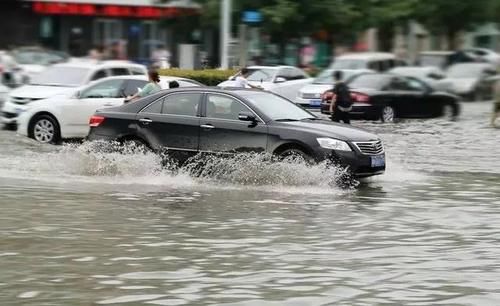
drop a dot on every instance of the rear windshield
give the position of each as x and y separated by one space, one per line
375 81
61 76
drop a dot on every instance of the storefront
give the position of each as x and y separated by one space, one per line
76 26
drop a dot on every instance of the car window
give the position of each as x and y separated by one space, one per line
223 107
133 86
294 74
415 85
137 71
182 104
398 84
154 108
99 75
106 89
119 71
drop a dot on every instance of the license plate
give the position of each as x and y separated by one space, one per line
315 102
378 161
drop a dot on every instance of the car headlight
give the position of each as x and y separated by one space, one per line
333 144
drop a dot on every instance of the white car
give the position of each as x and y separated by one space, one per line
60 79
4 92
283 80
310 95
377 61
472 81
430 75
66 116
484 55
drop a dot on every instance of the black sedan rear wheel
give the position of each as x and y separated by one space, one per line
388 114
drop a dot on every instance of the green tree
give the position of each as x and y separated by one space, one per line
451 17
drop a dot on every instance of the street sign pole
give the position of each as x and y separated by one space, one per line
225 33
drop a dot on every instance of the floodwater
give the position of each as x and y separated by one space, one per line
83 227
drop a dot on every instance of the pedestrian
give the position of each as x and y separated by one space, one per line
341 103
150 88
496 104
241 79
96 53
173 84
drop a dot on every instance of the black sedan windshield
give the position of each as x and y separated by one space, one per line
375 81
276 107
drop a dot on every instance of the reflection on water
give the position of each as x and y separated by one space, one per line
85 228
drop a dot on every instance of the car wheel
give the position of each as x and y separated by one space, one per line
45 129
296 155
388 114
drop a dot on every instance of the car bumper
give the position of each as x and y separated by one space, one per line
359 111
10 112
360 165
308 103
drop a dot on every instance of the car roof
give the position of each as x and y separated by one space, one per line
367 56
485 65
436 52
91 64
414 68
271 67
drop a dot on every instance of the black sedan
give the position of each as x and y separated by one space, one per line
388 97
189 121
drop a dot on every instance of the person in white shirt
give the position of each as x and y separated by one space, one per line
241 79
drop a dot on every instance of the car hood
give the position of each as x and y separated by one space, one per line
461 84
316 88
324 128
36 92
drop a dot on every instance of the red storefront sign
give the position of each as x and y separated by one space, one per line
149 12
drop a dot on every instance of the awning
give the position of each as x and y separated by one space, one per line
151 3
144 9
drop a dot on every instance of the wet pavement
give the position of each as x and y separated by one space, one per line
80 227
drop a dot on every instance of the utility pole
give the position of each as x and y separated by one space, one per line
225 33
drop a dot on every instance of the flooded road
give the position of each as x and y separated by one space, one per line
80 227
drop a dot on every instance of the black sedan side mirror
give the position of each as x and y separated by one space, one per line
247 117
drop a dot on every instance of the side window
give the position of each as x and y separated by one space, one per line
374 65
106 89
182 104
137 71
398 84
133 87
222 107
119 71
154 108
99 75
283 73
295 74
415 85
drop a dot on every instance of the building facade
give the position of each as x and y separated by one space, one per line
76 26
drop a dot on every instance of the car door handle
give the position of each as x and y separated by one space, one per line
207 126
145 121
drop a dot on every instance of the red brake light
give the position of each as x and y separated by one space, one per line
95 121
360 98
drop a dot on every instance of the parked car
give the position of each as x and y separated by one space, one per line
376 61
432 76
444 59
186 122
11 73
484 55
60 79
4 92
283 80
310 95
389 96
67 115
33 60
471 81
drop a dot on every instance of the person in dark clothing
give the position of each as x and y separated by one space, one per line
341 103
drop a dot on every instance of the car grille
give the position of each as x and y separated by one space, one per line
311 96
370 147
21 101
9 115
